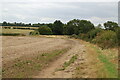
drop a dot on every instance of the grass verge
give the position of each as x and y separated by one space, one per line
101 63
109 69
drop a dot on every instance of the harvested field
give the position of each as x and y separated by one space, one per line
14 47
55 57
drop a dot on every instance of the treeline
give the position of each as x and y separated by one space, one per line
72 27
21 24
106 37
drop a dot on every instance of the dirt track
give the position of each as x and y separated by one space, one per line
15 47
51 71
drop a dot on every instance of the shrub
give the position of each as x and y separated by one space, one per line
44 30
93 33
117 30
83 36
106 39
34 33
74 36
90 35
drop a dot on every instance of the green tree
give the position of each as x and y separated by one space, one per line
85 26
44 30
58 27
109 25
77 26
65 29
4 23
50 25
73 27
99 26
93 33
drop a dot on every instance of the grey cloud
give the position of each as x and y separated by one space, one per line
65 11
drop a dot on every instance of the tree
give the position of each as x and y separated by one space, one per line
65 29
99 26
58 27
29 24
85 26
44 30
50 25
109 25
93 33
77 26
73 27
4 23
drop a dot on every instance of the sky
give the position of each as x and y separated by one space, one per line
47 11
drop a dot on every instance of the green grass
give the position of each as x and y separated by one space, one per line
25 68
109 69
66 64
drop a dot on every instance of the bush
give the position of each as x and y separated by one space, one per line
44 30
117 30
106 39
90 35
83 36
34 33
74 36
93 33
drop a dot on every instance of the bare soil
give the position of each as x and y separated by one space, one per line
83 61
15 47
85 66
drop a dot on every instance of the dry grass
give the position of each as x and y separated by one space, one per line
20 31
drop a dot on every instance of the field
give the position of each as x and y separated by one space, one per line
14 31
38 57
56 57
60 39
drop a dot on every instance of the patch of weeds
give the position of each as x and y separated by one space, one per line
21 63
60 69
72 60
50 56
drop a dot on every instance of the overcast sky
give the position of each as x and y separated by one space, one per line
47 11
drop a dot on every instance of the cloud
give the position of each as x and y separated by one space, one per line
60 0
46 19
98 20
47 12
